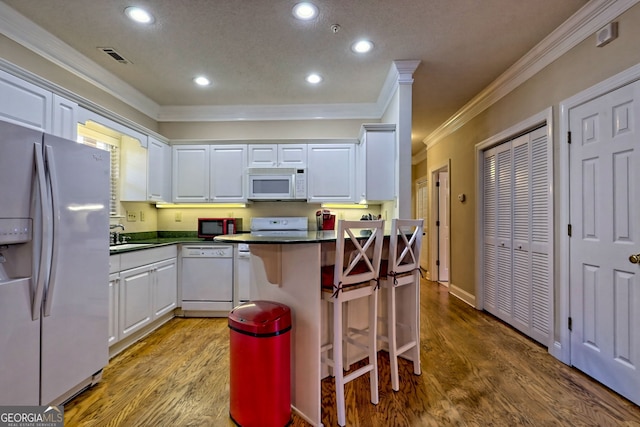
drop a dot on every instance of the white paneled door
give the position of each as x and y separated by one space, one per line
604 215
443 227
422 211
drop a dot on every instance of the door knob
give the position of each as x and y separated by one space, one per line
634 259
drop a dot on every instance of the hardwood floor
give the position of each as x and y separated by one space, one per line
476 371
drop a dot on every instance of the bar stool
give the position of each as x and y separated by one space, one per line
403 269
348 281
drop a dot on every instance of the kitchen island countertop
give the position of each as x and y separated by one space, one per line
309 237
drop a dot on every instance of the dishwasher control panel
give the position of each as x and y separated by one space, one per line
208 251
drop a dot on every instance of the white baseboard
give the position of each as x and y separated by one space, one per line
462 295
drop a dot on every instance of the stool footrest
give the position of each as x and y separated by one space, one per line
406 347
357 373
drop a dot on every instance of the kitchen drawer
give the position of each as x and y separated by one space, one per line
147 256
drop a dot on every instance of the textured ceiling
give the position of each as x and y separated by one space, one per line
256 53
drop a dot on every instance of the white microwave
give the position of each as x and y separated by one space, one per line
277 184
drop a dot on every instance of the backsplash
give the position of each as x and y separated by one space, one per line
150 219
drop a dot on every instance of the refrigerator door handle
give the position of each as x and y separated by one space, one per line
55 198
42 187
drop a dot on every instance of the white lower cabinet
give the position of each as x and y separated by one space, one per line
114 278
135 299
143 291
165 290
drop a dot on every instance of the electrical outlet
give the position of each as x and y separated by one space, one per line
178 216
131 216
141 216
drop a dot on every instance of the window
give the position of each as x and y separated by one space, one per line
103 138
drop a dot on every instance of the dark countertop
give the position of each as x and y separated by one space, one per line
310 237
153 243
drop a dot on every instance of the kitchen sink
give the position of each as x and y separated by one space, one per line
128 246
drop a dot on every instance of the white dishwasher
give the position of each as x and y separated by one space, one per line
207 279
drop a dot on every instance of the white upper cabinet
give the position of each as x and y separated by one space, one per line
209 173
277 155
159 171
263 155
133 170
292 155
376 163
331 173
65 118
190 183
227 173
26 104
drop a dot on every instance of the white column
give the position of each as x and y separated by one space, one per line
405 71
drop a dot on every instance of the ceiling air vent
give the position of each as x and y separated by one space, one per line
115 55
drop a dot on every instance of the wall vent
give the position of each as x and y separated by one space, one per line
115 55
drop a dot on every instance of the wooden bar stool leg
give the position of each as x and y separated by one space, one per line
338 368
373 348
415 325
393 337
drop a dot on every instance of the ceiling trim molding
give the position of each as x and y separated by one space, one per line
419 157
26 33
584 23
405 70
224 113
400 72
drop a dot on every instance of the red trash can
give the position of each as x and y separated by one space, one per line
260 372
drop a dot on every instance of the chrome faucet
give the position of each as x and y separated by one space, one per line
114 236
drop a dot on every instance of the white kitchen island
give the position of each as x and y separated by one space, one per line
287 270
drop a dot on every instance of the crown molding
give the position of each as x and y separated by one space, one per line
214 113
26 33
419 157
584 23
405 70
400 72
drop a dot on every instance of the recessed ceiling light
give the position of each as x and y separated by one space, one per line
362 46
305 11
314 78
139 15
202 81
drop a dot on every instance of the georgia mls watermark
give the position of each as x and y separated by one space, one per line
32 416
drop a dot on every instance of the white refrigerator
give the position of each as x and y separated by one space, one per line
54 266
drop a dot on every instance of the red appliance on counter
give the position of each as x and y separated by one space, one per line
208 228
325 220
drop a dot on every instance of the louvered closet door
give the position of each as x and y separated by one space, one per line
490 257
521 235
541 237
504 231
517 227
